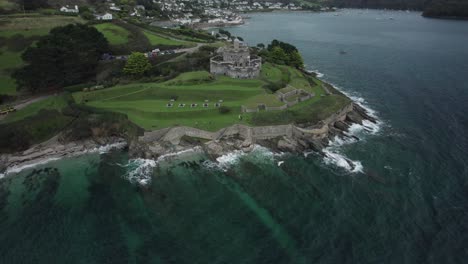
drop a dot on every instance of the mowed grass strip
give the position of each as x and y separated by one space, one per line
157 40
116 35
211 120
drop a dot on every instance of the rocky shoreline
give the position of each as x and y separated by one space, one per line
55 149
155 144
278 138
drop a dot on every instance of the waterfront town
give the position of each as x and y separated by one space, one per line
199 13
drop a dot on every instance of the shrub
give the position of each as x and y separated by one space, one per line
224 110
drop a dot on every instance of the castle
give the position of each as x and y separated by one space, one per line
235 61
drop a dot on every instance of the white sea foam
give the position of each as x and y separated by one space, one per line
19 168
341 161
106 148
258 155
317 73
224 162
140 170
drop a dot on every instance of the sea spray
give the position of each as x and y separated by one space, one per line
258 155
106 148
317 73
332 153
140 171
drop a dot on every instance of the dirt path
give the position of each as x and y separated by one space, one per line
23 103
189 50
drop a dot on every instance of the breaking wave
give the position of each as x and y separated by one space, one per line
317 73
333 154
258 155
106 148
140 171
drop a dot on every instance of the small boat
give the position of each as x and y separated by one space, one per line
342 52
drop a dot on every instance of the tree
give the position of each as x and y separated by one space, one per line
32 4
279 56
66 56
87 15
225 32
137 64
260 45
295 60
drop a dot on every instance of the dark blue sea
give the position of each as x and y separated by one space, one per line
406 201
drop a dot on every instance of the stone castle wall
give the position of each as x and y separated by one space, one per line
236 63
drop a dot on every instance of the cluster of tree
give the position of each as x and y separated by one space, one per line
281 53
32 4
68 55
446 8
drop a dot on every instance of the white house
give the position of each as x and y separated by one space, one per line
66 9
106 16
113 7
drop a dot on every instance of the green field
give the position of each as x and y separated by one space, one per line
146 104
7 5
157 40
116 35
271 73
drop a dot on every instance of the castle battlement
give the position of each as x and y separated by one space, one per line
235 61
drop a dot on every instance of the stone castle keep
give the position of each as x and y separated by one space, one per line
235 61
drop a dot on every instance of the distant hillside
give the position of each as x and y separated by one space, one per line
430 8
380 4
447 8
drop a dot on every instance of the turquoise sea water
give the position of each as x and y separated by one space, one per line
408 203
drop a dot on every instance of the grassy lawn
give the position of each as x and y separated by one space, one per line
7 4
52 103
115 34
266 99
271 73
10 60
33 25
157 40
146 103
7 85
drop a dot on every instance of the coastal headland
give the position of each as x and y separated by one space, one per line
176 103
